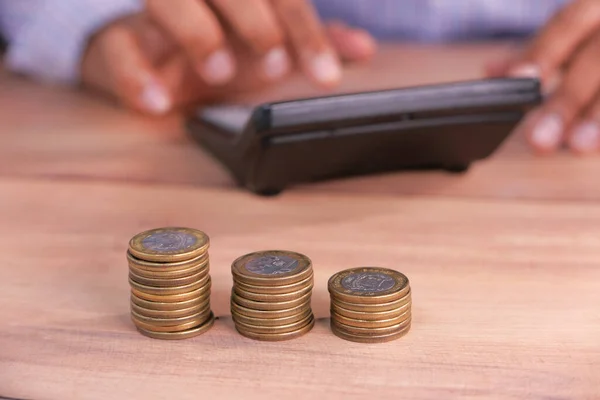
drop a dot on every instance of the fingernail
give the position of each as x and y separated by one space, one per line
547 132
155 98
586 137
525 71
326 68
276 63
218 68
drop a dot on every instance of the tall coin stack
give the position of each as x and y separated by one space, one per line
370 305
170 283
271 295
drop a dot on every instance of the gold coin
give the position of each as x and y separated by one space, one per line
275 298
271 268
277 337
370 339
169 244
268 306
293 287
352 330
369 316
274 329
173 328
270 321
189 333
168 282
368 285
166 322
173 305
360 323
163 291
172 298
167 270
183 312
393 305
249 312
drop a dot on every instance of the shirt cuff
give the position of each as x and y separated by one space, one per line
50 46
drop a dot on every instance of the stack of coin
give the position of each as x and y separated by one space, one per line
271 295
370 305
170 283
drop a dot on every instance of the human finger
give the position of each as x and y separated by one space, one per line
196 29
584 138
257 27
579 86
307 36
351 44
131 77
156 44
188 88
584 135
558 40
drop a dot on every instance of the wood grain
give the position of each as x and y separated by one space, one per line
505 296
503 261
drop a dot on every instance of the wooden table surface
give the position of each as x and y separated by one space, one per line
503 261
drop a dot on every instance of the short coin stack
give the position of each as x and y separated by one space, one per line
271 295
170 283
370 305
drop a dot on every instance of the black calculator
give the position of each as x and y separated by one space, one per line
272 146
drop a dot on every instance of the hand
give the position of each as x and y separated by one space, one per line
171 55
565 55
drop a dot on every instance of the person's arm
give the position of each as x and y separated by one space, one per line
154 55
46 38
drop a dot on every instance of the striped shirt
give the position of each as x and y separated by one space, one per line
46 38
441 20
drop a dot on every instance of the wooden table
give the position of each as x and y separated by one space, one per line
503 261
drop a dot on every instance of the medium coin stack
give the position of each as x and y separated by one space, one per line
370 305
170 283
271 295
